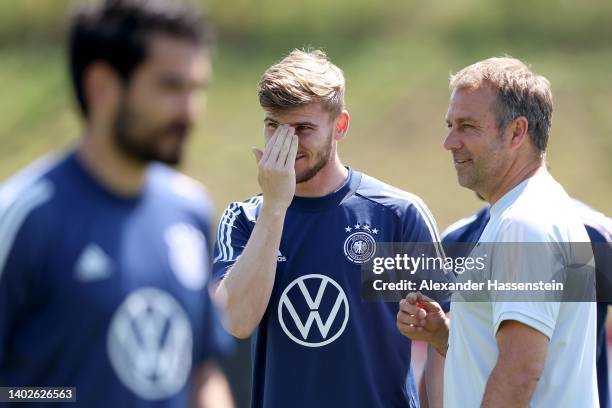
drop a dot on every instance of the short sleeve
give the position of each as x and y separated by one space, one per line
14 267
541 316
523 254
233 233
421 236
601 242
20 256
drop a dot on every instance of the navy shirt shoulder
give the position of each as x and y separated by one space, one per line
103 292
316 318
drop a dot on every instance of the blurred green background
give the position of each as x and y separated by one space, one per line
396 56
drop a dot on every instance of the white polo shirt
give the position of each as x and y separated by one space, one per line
536 210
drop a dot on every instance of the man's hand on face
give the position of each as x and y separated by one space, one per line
421 318
276 168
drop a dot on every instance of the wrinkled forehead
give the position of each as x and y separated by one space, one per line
476 103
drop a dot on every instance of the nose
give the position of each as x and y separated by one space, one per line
188 106
452 141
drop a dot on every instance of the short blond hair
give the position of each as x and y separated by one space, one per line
520 92
302 78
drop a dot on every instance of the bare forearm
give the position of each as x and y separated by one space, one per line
441 344
508 389
423 397
210 388
520 364
433 378
245 291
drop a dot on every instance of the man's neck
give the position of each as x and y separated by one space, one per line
326 181
110 167
515 176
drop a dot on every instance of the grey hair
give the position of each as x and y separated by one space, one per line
520 92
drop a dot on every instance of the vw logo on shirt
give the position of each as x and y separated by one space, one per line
150 344
327 310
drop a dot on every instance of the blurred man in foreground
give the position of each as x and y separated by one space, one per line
289 259
510 353
104 261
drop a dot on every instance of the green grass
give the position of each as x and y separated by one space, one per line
396 58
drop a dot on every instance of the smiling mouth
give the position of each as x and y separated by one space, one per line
299 156
462 163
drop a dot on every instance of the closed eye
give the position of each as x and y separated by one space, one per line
302 128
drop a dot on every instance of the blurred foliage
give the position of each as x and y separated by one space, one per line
396 56
566 23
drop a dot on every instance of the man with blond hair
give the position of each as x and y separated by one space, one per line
512 351
289 259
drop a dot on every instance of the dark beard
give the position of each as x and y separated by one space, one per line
143 147
322 162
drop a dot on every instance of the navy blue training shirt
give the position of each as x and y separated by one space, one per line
104 293
599 228
318 344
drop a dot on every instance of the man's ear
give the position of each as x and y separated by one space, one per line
519 132
342 125
101 89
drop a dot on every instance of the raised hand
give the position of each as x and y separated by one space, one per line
276 171
421 318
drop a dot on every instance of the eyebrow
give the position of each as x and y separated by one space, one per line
310 124
175 80
463 120
268 119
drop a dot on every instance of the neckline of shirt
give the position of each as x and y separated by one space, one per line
92 181
511 196
315 204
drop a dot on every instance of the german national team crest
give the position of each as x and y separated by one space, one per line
360 245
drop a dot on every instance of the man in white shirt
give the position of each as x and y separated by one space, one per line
505 352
